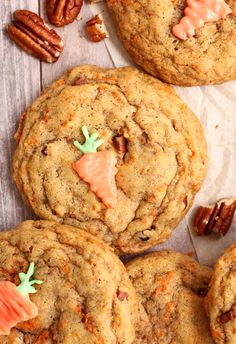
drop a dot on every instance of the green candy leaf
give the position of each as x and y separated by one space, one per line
25 287
91 142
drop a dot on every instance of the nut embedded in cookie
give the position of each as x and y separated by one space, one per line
227 316
32 35
120 145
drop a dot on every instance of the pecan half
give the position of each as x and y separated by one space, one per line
120 145
30 33
215 218
96 29
63 12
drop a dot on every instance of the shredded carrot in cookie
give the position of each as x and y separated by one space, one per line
163 281
30 325
117 96
78 310
64 323
32 141
42 337
169 307
110 78
88 323
159 333
215 333
64 267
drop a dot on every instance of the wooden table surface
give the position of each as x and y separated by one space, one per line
22 79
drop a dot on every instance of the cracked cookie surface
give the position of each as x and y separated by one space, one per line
86 296
145 28
221 299
162 165
172 287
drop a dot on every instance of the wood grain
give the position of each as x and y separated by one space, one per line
20 84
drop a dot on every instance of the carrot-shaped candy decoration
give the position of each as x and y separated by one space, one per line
15 305
97 168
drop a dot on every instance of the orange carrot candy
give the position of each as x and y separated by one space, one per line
15 305
97 168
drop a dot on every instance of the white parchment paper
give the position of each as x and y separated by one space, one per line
215 106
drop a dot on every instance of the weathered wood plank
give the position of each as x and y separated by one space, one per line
78 50
20 83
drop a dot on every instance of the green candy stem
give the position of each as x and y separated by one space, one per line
91 142
25 287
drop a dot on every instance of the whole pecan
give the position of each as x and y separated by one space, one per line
63 12
30 33
215 218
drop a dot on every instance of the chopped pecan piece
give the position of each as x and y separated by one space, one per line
120 145
63 12
30 33
96 29
215 218
81 80
227 316
122 295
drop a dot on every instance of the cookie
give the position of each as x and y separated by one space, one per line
86 295
172 287
146 30
221 299
111 151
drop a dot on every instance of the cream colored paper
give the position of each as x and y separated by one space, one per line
215 106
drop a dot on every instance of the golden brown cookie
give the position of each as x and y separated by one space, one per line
221 299
153 150
86 296
145 28
172 287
